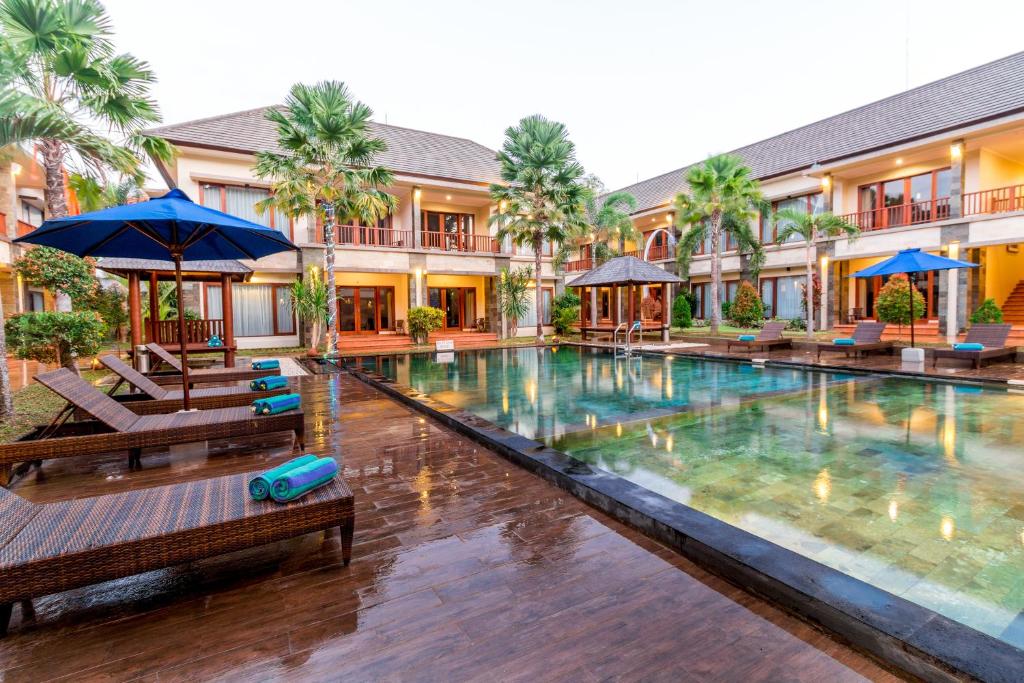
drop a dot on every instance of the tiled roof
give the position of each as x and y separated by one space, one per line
623 270
409 151
979 94
115 264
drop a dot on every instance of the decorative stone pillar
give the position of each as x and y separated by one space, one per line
826 192
956 179
417 217
593 306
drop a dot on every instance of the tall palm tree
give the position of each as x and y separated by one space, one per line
93 195
67 91
811 228
326 169
723 199
612 219
543 198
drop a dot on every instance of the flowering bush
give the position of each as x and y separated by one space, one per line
57 271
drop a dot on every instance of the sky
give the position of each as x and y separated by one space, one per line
644 86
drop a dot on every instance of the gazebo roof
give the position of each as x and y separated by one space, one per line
191 270
624 270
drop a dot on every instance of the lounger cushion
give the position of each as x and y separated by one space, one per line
844 341
747 337
968 346
197 418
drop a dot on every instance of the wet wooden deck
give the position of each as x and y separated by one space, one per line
465 567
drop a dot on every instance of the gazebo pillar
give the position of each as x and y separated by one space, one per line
135 308
229 320
154 308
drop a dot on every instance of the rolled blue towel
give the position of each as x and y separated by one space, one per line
272 405
301 480
259 487
268 383
844 341
271 364
748 337
968 346
214 342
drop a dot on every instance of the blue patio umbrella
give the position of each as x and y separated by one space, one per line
169 226
911 262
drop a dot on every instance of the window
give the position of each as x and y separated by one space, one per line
808 203
259 310
783 296
527 250
449 231
548 296
904 201
27 213
241 201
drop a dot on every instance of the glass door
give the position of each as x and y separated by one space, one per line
367 309
347 310
452 309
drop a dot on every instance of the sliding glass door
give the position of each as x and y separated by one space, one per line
366 310
457 303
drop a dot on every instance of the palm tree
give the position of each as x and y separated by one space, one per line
326 168
811 227
723 199
70 94
543 199
612 219
93 195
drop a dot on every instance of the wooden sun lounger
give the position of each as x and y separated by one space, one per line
770 337
199 376
155 399
50 548
867 337
115 428
993 336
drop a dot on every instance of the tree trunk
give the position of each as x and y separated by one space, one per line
622 245
55 196
716 272
6 397
539 299
810 291
332 292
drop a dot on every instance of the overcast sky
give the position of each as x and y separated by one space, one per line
644 86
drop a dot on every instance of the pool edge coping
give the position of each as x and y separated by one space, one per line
912 638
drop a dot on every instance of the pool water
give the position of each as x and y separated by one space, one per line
915 487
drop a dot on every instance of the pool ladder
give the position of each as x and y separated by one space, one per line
627 335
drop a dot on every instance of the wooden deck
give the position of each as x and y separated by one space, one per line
465 567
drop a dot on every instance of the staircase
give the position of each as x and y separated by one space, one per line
395 343
1013 307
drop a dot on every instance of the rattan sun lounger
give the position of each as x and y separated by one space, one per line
115 428
992 336
770 337
155 399
199 376
55 547
867 337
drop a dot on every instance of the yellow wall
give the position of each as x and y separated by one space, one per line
398 281
475 281
1003 271
995 170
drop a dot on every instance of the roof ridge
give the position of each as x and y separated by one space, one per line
206 119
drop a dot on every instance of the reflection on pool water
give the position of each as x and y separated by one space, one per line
915 487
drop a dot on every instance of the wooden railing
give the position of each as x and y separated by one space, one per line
196 331
656 253
999 200
901 214
25 228
457 241
579 265
357 235
659 252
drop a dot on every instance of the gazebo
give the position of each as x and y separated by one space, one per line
601 292
165 332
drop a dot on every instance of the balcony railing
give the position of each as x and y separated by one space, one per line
356 235
901 214
659 252
999 200
25 228
656 253
387 238
196 331
579 265
457 241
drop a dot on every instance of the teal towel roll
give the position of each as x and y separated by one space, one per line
301 480
748 337
844 341
968 346
272 405
259 487
268 383
272 364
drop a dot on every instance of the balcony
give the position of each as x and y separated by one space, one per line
983 202
388 238
657 252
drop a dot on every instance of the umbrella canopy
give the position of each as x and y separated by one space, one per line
911 262
169 226
624 270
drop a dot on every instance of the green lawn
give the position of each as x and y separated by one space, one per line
36 405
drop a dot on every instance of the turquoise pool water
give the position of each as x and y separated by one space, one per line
915 487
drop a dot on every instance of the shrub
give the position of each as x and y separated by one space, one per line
682 310
795 324
565 312
55 337
726 310
747 309
988 312
893 301
57 271
423 320
109 304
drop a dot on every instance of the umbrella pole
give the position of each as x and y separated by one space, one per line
186 403
912 279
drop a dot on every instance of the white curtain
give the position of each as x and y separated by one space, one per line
214 307
253 310
241 202
789 294
285 319
530 319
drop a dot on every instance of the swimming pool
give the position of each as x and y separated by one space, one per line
915 487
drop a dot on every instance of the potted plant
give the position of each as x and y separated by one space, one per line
422 321
309 299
